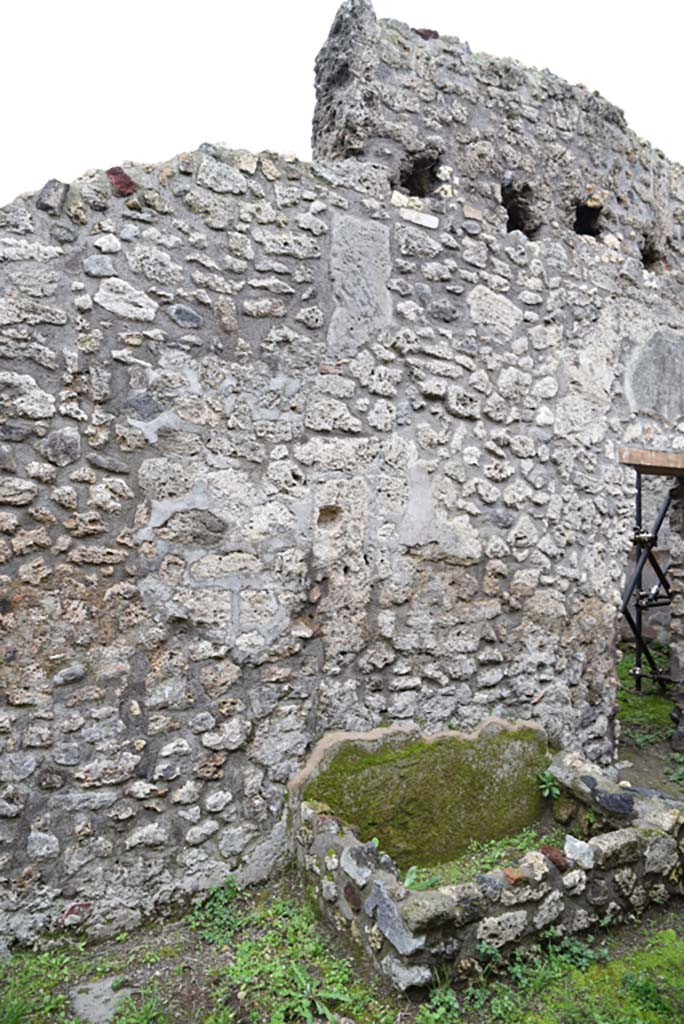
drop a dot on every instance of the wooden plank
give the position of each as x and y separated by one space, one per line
653 463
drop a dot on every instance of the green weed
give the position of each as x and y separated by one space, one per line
441 1008
481 856
30 986
648 713
675 772
283 970
217 917
646 987
147 1009
548 786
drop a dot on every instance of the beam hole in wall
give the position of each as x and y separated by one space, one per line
588 219
328 515
652 255
518 199
419 177
340 75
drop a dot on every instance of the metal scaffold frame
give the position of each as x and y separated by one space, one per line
641 600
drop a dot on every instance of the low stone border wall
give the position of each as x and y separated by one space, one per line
636 858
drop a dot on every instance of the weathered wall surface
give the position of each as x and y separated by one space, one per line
286 449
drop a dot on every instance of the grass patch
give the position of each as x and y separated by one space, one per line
147 1008
263 959
282 969
31 987
483 855
569 981
645 716
646 987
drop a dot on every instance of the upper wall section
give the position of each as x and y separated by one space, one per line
560 158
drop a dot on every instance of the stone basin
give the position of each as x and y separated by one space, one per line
623 848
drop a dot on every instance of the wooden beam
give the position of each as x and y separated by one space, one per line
653 463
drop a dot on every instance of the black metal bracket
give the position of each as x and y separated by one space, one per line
636 600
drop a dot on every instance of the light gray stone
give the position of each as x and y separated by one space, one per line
406 976
380 906
357 862
96 1002
497 931
15 491
360 268
123 300
579 852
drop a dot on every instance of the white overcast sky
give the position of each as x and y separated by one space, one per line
91 83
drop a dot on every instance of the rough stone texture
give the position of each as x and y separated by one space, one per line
346 455
416 937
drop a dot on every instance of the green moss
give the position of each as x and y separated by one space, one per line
427 801
646 987
648 713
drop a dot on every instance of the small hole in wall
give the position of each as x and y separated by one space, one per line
518 200
587 219
328 515
419 178
340 75
651 254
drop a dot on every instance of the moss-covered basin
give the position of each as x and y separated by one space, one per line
425 798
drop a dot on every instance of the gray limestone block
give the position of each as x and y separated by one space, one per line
623 846
380 905
360 267
579 852
98 266
62 447
52 197
497 931
654 377
424 911
662 855
185 316
15 491
123 300
358 862
406 976
71 674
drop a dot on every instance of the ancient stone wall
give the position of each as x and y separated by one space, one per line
290 447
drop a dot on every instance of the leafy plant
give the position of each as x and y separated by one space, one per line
14 1007
548 786
647 735
419 881
312 995
282 970
217 918
148 1011
675 772
31 986
441 1008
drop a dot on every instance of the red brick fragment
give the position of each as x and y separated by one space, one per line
556 857
516 876
75 914
353 897
122 184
